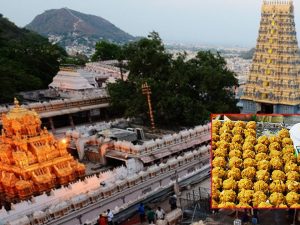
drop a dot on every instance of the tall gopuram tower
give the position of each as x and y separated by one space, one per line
32 161
273 84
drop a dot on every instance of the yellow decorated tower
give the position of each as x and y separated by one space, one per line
31 159
273 84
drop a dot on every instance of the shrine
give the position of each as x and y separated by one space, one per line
273 84
32 161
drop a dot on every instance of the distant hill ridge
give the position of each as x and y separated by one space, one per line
71 28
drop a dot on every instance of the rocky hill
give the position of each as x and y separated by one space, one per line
249 54
76 31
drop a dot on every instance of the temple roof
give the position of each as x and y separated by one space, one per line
70 80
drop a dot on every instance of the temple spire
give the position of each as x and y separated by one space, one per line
277 2
274 78
17 103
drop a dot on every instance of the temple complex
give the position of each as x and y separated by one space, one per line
75 95
107 70
273 85
89 79
32 161
150 168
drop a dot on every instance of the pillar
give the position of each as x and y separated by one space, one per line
71 121
106 117
52 124
89 115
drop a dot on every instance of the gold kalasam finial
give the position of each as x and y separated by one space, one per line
16 102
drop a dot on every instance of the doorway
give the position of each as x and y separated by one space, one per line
267 108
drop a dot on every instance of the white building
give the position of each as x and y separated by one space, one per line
73 83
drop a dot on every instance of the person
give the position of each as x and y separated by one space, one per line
102 219
141 211
110 217
254 220
255 216
151 216
291 215
160 213
245 217
173 202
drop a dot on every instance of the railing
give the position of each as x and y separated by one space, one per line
195 205
100 199
65 104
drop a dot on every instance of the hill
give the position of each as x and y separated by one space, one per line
249 54
75 30
28 61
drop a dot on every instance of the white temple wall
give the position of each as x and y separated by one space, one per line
166 181
182 173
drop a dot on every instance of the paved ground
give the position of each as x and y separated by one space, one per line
225 217
267 217
164 205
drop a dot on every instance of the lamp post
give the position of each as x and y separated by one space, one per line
146 90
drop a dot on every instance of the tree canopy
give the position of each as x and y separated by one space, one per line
184 92
28 61
105 50
78 59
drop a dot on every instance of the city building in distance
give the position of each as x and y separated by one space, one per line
273 82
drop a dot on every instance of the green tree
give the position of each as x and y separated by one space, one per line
28 61
106 51
148 59
78 59
110 51
184 92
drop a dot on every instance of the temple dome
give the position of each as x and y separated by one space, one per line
18 112
21 121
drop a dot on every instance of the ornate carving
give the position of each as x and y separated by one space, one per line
274 75
31 159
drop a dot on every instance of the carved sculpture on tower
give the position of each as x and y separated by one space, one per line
273 84
31 159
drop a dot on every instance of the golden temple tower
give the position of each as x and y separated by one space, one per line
273 84
31 159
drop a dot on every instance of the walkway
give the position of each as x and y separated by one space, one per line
267 217
164 204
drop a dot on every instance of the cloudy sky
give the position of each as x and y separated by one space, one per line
215 22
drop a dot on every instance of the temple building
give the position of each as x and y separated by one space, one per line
69 79
32 161
273 84
70 83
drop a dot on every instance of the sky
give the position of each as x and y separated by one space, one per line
228 23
